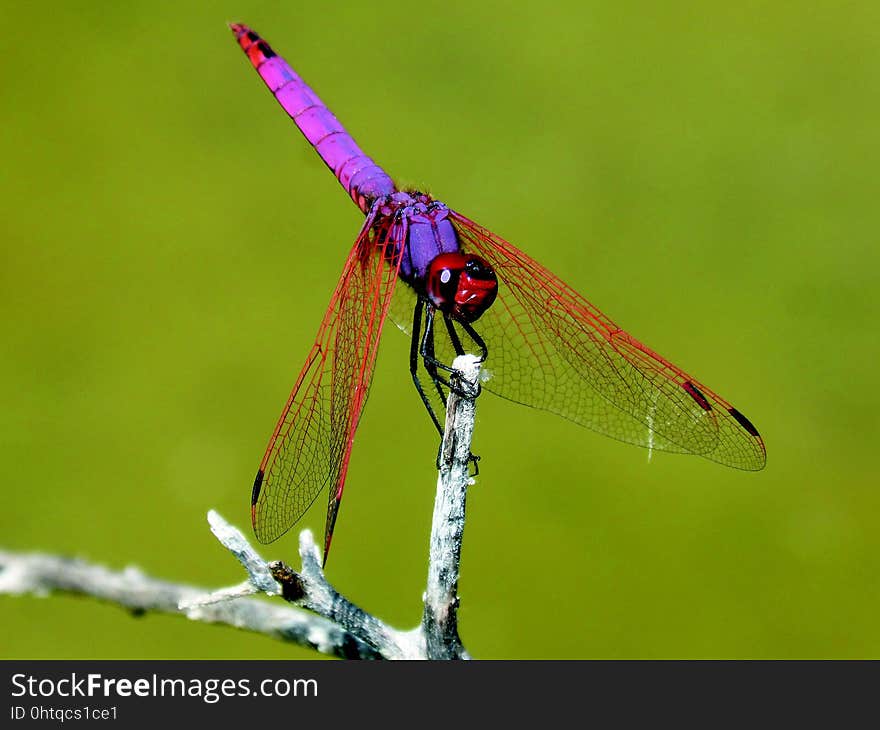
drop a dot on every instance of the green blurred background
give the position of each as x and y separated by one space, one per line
704 173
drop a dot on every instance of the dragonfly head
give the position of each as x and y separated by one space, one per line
461 284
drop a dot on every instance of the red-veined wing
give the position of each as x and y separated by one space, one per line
549 348
311 444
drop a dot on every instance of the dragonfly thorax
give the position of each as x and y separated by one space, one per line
432 262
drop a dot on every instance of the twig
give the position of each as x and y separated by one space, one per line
41 575
260 578
440 620
310 589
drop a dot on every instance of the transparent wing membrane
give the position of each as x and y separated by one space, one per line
311 444
549 348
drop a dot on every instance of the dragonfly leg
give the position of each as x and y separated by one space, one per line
426 350
478 341
453 335
433 365
414 366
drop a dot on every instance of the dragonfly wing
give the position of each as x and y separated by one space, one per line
311 444
551 349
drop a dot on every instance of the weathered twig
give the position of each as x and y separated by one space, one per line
42 575
440 620
339 627
310 590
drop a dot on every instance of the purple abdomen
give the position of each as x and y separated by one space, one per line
362 178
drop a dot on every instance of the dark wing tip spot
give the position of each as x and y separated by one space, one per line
253 37
744 422
694 392
258 484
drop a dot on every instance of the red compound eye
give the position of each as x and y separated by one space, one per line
463 285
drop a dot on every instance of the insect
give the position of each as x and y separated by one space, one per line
456 286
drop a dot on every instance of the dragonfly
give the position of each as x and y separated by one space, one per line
455 286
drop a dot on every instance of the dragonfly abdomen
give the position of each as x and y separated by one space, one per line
361 177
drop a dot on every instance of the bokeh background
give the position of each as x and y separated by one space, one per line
704 173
